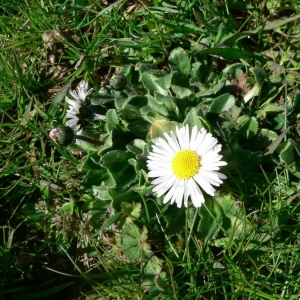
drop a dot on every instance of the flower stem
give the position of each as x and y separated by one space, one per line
87 139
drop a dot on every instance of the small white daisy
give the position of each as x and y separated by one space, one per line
80 110
182 164
75 105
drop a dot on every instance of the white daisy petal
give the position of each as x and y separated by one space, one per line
221 176
186 136
164 186
211 177
180 136
74 95
175 140
186 197
180 193
160 174
164 146
182 164
177 195
171 194
205 185
71 102
83 90
172 142
193 138
198 141
72 123
196 194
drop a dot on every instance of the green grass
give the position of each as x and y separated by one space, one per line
82 220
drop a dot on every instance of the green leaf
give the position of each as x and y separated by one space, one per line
221 31
116 161
278 23
90 162
112 118
233 69
131 209
260 75
215 88
192 119
163 99
60 96
175 219
121 102
159 127
128 43
112 220
184 28
231 116
5 103
231 53
134 243
211 220
233 38
157 82
137 146
195 71
27 114
113 159
196 81
153 105
179 62
276 143
95 206
154 278
101 99
140 128
167 101
198 70
67 207
235 223
252 93
132 106
95 177
229 206
263 139
249 127
45 116
222 103
273 107
235 112
102 192
287 154
181 86
296 106
120 196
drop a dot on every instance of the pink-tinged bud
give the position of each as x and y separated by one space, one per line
63 135
53 134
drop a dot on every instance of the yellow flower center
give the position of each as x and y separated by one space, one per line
186 164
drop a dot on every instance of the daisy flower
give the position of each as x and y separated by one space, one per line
80 109
184 165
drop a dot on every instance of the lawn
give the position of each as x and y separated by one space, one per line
150 149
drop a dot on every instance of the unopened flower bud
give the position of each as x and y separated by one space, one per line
63 135
118 82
